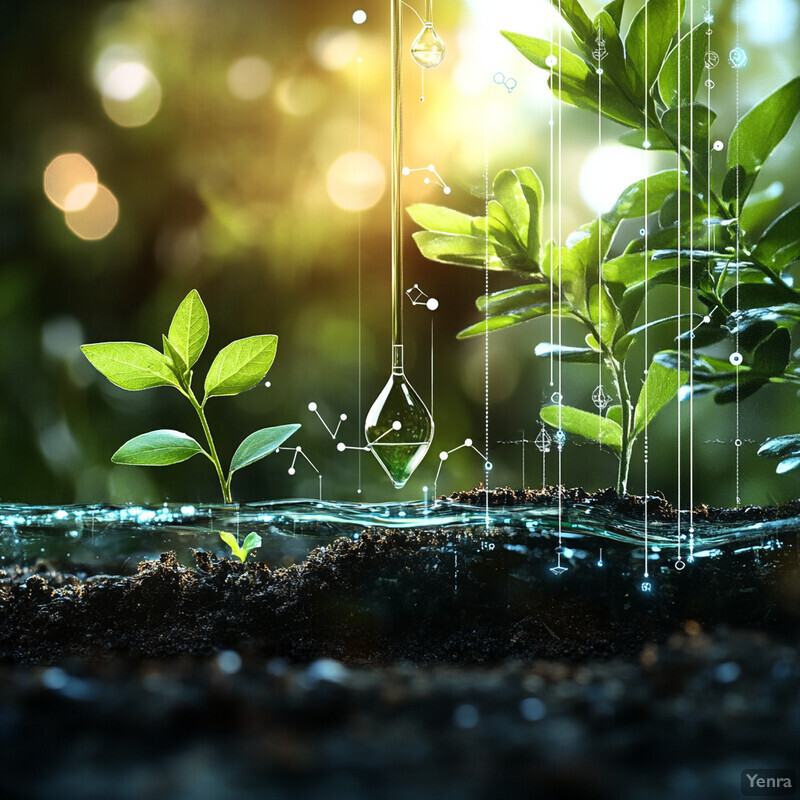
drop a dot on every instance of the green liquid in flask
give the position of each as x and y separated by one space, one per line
399 427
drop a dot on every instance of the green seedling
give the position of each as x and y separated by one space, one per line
251 542
237 368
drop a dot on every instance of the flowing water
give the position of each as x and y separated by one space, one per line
101 538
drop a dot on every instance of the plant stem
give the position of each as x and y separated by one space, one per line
623 392
225 485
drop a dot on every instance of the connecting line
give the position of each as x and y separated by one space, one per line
298 451
678 442
437 180
599 396
333 433
419 298
396 425
445 454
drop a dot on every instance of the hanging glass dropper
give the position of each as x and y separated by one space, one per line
398 427
427 49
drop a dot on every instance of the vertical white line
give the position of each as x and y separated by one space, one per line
360 425
738 437
646 144
486 318
560 191
599 241
691 262
552 200
678 374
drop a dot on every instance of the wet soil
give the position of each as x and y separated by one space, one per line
400 665
655 506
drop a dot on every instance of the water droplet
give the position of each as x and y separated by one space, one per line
427 49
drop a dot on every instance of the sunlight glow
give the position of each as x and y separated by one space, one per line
607 171
249 78
356 181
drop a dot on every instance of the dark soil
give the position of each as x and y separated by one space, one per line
402 665
655 506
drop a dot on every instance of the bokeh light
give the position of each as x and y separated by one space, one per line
359 17
299 96
608 170
335 48
249 78
130 92
356 181
70 182
769 21
97 219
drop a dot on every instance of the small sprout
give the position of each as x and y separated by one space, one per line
251 542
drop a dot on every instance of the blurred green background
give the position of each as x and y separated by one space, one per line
217 128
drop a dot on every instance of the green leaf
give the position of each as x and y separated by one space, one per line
603 313
188 331
614 413
572 355
748 296
655 136
693 132
645 196
660 386
691 51
241 365
760 130
465 251
781 447
511 300
614 10
650 34
761 208
779 245
519 191
251 542
576 17
130 365
787 465
157 449
507 319
772 355
441 219
260 444
589 426
178 364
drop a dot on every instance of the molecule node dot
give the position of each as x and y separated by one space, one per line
312 406
433 303
468 442
341 447
290 470
397 425
342 417
444 455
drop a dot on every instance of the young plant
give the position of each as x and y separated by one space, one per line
567 282
237 368
715 236
251 542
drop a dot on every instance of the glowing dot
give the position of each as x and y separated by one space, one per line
706 319
312 406
267 384
432 304
356 181
737 58
396 425
406 171
646 144
97 219
551 61
342 417
70 182
444 455
447 190
427 180
718 145
298 448
736 359
341 447
488 466
467 442
359 17
600 71
291 470
738 443
249 78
